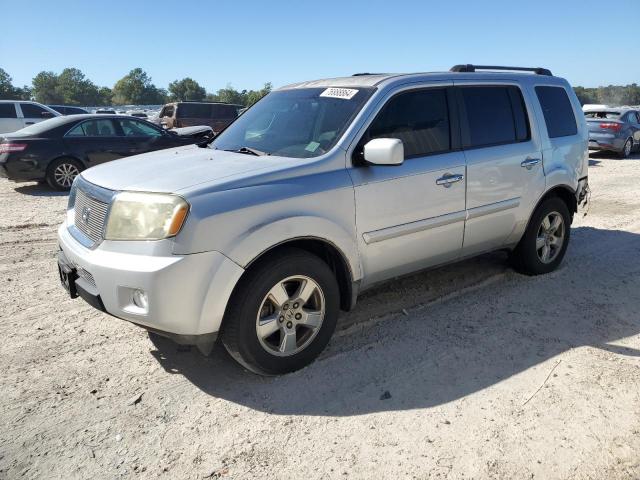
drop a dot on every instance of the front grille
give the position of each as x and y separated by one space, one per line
90 216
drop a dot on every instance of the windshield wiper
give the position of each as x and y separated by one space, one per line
249 151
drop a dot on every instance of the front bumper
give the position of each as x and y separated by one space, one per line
186 294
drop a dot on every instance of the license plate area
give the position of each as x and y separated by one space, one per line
68 275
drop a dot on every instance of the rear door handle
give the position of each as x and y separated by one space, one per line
29 123
530 162
447 180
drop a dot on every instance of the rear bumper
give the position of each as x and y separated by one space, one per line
605 141
186 294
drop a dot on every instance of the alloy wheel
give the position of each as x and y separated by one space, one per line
550 237
65 173
290 315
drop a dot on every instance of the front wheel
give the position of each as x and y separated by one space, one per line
62 172
282 313
545 241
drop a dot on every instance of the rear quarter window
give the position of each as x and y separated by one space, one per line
8 110
557 111
225 111
194 110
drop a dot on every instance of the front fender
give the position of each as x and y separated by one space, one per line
262 238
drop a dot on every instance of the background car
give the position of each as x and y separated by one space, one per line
60 148
15 115
105 111
186 114
67 110
615 129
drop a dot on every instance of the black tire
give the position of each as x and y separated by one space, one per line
239 331
626 149
526 257
53 177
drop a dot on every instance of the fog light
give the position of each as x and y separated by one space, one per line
140 299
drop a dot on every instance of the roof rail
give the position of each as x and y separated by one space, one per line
472 68
364 73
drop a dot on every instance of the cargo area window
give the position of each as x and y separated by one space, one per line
493 115
558 112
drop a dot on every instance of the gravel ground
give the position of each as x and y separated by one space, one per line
468 371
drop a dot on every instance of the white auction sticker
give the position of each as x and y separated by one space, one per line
345 93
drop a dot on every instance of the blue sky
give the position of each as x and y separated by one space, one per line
247 43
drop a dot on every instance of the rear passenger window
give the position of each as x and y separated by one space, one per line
493 115
420 119
8 110
557 110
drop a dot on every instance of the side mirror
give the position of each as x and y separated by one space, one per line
384 151
46 114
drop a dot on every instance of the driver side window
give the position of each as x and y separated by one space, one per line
419 118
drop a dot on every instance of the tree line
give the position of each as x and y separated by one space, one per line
72 87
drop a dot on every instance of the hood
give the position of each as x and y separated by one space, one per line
176 169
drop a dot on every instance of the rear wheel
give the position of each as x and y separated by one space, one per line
626 149
62 172
545 241
282 314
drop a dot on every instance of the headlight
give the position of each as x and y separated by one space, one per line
145 216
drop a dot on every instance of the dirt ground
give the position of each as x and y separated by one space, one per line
468 371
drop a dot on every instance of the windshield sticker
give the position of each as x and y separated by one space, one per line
312 147
345 93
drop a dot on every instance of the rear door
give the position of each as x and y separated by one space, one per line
505 177
97 141
9 120
34 113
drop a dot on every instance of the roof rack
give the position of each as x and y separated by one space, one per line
472 68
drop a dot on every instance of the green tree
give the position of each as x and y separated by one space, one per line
136 88
8 91
254 95
76 89
186 89
44 88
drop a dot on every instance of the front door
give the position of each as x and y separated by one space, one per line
97 141
505 176
411 216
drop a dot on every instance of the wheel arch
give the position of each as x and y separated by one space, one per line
562 191
328 252
62 156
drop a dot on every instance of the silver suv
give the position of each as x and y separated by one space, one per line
320 191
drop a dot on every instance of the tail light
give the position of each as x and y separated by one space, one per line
12 147
616 127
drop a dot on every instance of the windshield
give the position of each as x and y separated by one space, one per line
298 123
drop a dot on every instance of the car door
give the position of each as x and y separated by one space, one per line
634 127
142 137
96 141
411 216
9 119
33 113
504 162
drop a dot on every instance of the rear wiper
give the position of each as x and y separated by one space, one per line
249 151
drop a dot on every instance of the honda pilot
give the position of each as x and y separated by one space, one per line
320 191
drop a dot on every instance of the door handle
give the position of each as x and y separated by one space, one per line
29 123
447 179
530 162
